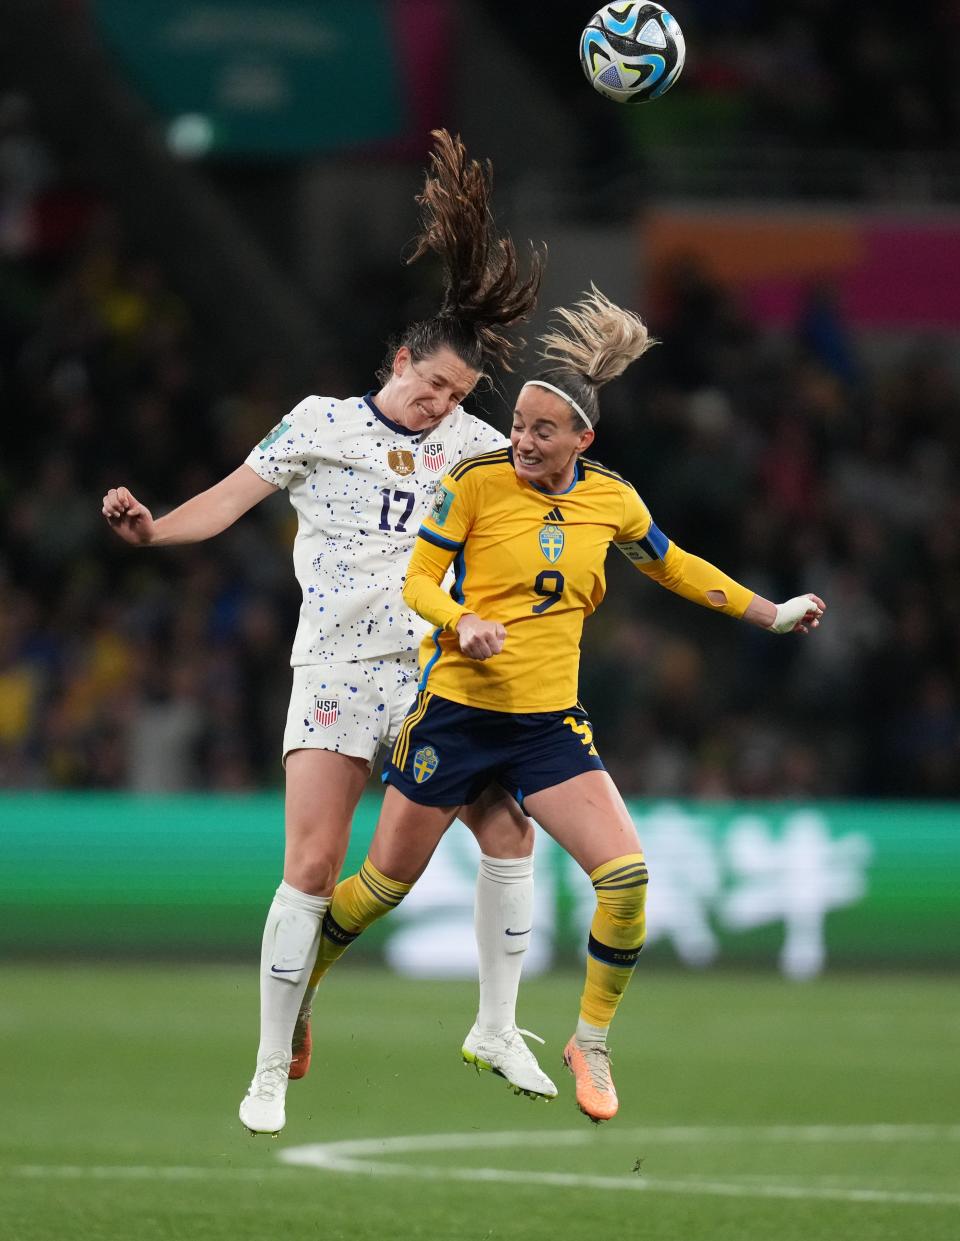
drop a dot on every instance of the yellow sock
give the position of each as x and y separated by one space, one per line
616 935
357 903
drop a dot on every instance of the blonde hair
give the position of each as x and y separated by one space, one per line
595 341
600 341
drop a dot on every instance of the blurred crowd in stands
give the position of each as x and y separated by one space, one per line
863 74
796 462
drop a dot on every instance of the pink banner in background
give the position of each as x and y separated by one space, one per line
424 34
888 271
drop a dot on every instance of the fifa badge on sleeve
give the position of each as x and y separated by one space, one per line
441 505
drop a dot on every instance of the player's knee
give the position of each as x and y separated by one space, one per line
506 838
501 828
621 888
619 927
313 875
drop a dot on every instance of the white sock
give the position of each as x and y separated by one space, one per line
503 916
591 1036
290 940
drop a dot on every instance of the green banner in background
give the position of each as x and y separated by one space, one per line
251 77
798 886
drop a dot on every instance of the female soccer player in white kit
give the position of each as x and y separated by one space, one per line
361 473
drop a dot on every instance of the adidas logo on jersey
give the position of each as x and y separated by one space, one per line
553 515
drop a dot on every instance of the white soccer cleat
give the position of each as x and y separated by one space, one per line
506 1054
262 1109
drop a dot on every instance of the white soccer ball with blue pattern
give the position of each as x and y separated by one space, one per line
632 52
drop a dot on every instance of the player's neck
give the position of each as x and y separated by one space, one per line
385 405
554 484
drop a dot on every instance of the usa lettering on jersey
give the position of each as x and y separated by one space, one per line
433 456
326 711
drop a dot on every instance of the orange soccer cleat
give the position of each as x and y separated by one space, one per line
590 1066
302 1047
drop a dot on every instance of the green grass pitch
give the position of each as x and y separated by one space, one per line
751 1110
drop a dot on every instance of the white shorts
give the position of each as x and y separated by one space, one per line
352 708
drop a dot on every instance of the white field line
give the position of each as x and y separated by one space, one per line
664 1134
365 1157
135 1172
646 1184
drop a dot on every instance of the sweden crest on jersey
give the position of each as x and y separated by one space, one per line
551 542
425 763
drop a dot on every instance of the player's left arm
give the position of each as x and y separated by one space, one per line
696 579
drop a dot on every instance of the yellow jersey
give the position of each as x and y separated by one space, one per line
534 561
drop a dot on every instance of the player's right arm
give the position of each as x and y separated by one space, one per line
201 517
441 536
479 639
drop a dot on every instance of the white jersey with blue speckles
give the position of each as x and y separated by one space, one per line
360 485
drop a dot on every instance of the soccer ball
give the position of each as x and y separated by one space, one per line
632 52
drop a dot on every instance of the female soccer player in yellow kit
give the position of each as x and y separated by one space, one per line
527 530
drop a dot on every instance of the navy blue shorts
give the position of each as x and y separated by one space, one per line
446 754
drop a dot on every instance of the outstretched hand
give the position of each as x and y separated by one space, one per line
799 615
480 639
129 518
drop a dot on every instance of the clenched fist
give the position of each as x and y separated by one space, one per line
480 639
128 517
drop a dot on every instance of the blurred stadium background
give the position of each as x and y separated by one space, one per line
203 208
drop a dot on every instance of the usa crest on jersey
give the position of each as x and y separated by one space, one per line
551 543
433 456
326 711
425 763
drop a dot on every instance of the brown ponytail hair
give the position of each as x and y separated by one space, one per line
483 291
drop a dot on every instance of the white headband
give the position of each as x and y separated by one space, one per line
542 383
